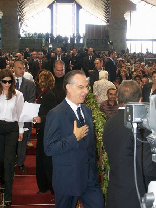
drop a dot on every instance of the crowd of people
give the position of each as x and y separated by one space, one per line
59 82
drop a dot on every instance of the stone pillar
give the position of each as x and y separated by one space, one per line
78 7
52 26
118 24
9 26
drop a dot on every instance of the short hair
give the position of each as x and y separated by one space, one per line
19 61
129 91
111 89
111 52
117 79
103 75
98 59
154 72
69 76
137 76
145 76
59 62
8 73
46 80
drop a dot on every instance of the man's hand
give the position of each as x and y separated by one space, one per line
20 138
37 119
80 132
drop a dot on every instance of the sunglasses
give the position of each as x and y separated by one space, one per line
5 81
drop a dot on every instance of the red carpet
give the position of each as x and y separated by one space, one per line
24 193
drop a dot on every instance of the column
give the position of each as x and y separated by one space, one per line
52 26
78 7
9 26
118 24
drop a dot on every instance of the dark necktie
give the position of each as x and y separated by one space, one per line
81 119
17 84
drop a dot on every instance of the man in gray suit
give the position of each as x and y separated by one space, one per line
27 87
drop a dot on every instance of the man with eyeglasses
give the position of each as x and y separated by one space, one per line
59 73
69 139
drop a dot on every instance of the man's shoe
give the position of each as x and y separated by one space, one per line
29 144
22 168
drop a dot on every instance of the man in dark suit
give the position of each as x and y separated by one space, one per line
26 54
75 60
94 75
33 58
110 65
27 87
69 139
88 61
119 144
39 64
59 73
58 56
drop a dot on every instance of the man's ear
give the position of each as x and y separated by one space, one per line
68 87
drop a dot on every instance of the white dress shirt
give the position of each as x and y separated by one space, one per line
20 80
74 108
10 110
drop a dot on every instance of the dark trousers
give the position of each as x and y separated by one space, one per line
21 149
92 198
43 166
9 133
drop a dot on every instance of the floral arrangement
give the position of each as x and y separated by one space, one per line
99 120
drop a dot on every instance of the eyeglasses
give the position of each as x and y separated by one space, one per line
81 87
6 81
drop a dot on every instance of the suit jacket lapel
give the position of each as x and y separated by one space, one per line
70 113
22 85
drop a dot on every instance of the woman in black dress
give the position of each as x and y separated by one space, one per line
47 100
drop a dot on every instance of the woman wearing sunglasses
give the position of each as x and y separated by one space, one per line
11 131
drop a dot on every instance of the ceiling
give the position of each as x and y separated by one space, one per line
152 2
99 8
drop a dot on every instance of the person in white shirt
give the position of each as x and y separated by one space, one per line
11 130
